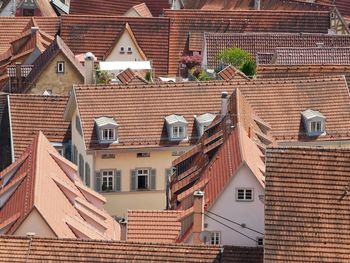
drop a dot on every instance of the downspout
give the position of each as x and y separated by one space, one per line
10 123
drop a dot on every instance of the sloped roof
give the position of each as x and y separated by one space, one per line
142 10
97 34
48 176
231 72
185 21
33 113
296 71
130 76
148 105
267 42
46 8
307 205
314 55
153 226
113 7
51 249
46 58
342 5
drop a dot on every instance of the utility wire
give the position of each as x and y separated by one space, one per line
233 222
230 227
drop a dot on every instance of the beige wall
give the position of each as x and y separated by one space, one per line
34 223
59 83
132 13
125 41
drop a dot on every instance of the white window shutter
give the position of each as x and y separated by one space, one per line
153 179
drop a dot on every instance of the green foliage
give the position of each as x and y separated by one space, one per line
203 76
249 68
148 76
198 74
102 76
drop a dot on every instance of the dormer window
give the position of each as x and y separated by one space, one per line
176 127
203 121
106 129
314 122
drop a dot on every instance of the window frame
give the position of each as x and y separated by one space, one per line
177 134
108 138
258 241
216 237
109 177
62 70
316 126
148 177
245 189
121 50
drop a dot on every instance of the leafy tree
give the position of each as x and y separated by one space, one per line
249 68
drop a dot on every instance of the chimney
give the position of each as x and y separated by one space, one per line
224 103
257 5
198 216
123 228
34 29
89 77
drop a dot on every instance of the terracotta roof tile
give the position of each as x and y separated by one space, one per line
32 113
153 226
307 205
195 41
41 168
267 42
97 34
243 255
231 72
129 76
315 55
142 10
342 5
114 8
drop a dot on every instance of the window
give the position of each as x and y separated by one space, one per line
142 155
107 180
129 50
108 156
244 194
260 241
178 132
122 51
177 153
142 179
60 151
78 124
316 126
75 155
108 134
215 238
28 12
60 67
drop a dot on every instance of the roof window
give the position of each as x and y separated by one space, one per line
106 129
314 122
176 127
203 121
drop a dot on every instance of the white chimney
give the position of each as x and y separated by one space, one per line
257 5
89 77
224 103
198 216
34 29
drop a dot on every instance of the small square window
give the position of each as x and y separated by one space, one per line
244 194
142 155
215 238
122 51
60 67
178 132
260 241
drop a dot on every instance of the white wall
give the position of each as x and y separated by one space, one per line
8 10
249 213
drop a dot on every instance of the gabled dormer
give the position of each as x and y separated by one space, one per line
107 130
176 127
203 121
314 122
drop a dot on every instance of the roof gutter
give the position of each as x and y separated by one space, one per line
11 134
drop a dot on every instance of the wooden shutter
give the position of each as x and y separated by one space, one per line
117 180
98 182
167 177
153 179
133 180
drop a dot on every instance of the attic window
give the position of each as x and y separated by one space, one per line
129 50
122 51
106 129
176 127
203 121
314 122
60 67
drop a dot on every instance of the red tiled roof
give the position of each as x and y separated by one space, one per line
342 5
153 226
267 42
231 72
142 10
315 55
185 21
97 34
195 41
307 205
242 255
295 71
43 187
113 7
32 113
129 76
51 249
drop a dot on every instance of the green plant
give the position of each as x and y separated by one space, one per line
148 76
203 76
249 68
102 76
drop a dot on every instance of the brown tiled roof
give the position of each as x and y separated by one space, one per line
307 205
342 5
249 5
195 41
231 72
295 71
153 226
47 56
32 113
129 76
267 42
142 10
97 34
148 105
11 27
282 101
50 249
46 8
242 255
114 7
43 179
315 55
263 58
185 21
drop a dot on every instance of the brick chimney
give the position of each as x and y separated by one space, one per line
224 103
123 228
257 5
198 216
89 67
